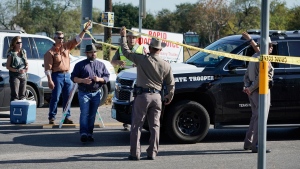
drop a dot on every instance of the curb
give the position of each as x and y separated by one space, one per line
7 125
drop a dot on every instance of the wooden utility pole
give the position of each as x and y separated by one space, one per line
107 32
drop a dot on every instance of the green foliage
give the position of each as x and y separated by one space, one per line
294 19
125 15
49 16
128 15
106 50
211 19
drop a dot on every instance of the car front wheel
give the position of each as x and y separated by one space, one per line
187 122
31 94
104 94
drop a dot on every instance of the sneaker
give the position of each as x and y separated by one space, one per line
68 121
84 138
90 139
51 121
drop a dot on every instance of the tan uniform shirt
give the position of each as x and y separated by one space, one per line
151 70
252 74
58 59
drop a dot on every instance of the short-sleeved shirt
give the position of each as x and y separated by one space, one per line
58 59
88 69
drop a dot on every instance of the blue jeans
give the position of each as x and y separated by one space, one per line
63 84
89 103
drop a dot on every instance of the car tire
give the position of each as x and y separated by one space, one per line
31 94
187 122
104 91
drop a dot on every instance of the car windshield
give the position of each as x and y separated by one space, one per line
209 60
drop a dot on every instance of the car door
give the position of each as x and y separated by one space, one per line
292 114
236 105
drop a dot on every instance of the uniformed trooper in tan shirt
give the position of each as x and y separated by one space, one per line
57 66
251 89
152 71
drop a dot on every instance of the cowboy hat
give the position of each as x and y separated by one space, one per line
156 43
90 48
133 34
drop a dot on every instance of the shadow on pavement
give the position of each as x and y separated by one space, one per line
119 137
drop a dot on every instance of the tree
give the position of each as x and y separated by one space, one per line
166 21
210 17
183 16
245 15
294 18
49 16
6 14
278 15
125 15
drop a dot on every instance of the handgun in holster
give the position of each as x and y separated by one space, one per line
137 91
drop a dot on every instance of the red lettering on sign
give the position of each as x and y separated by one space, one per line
158 34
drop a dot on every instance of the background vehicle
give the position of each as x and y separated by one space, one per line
208 90
36 46
35 91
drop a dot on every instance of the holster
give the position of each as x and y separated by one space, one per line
137 91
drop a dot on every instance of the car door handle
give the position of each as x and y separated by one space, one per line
4 64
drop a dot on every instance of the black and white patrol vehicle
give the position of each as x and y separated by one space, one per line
208 89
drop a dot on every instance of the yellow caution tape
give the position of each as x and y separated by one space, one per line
271 58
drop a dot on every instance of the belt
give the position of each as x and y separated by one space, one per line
61 71
150 90
89 91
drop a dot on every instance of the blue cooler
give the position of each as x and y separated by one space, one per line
22 112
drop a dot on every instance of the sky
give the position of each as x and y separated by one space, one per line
153 6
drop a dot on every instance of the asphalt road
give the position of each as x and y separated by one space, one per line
35 148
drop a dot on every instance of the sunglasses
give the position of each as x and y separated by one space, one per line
18 42
60 37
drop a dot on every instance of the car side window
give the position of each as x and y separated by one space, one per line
294 50
43 45
26 45
5 47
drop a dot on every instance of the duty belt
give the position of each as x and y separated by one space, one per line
150 90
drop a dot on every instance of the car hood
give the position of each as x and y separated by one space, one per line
177 68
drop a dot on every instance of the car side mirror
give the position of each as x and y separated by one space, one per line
43 65
4 64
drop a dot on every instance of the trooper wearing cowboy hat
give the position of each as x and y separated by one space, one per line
251 89
151 72
90 74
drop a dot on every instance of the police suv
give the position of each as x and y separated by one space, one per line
208 89
36 46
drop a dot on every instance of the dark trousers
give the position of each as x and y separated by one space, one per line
17 87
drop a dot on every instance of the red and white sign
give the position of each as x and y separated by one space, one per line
172 53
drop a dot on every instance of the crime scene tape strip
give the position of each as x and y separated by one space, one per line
271 58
